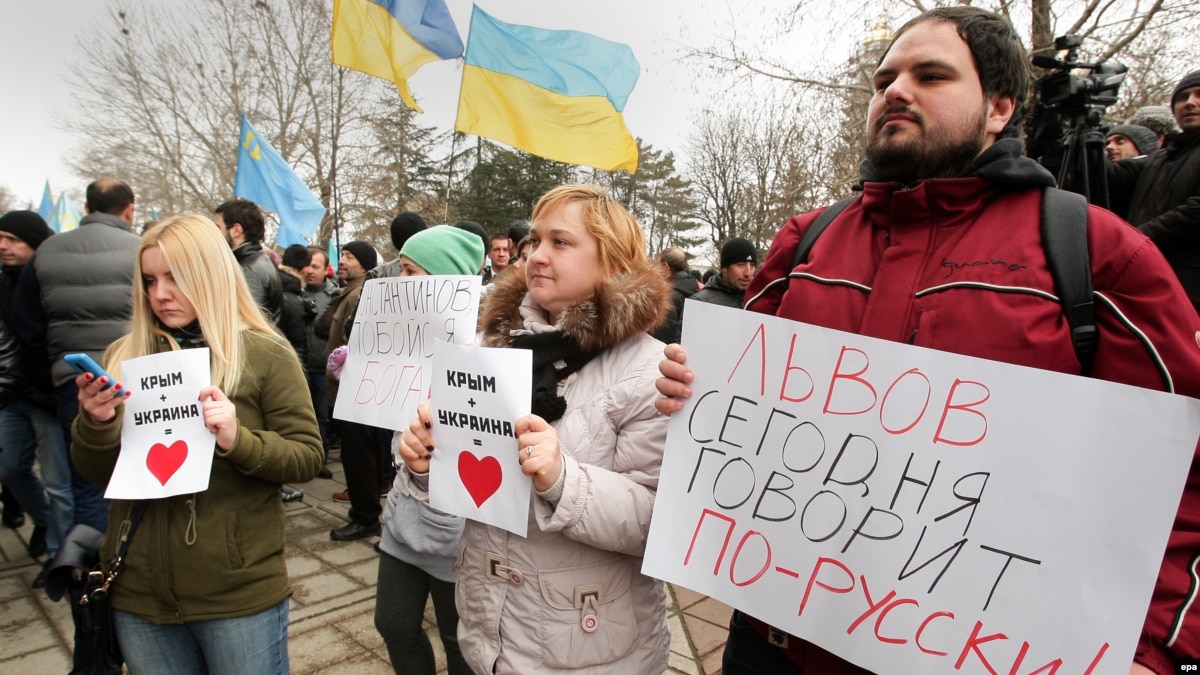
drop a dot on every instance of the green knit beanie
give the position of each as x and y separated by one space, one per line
445 250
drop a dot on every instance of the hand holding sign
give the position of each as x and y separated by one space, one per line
220 417
674 384
539 453
416 443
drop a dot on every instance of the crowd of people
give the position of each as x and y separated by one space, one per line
205 587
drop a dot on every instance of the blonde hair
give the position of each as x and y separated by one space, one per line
621 240
209 277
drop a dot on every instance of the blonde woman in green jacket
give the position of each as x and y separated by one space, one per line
205 588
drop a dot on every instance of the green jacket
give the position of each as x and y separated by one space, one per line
216 554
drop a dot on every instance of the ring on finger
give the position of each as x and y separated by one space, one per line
528 451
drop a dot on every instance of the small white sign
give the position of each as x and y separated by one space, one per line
475 471
165 448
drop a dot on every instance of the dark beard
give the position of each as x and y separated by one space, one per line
933 157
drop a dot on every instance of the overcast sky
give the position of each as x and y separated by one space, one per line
37 49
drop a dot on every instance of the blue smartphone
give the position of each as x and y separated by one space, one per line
82 363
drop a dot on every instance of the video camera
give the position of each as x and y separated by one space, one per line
1073 94
1064 129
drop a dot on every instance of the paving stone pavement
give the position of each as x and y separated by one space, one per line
332 627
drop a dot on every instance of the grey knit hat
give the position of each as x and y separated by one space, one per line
1143 139
1156 118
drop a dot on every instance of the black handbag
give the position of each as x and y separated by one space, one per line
76 572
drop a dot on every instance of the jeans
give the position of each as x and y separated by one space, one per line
400 607
91 508
249 644
747 653
26 431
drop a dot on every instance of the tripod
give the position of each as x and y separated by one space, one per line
1083 167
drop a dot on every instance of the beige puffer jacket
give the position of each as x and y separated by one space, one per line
571 598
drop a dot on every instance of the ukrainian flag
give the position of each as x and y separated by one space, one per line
391 39
557 94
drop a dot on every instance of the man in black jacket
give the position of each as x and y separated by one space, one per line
318 291
242 223
29 425
739 261
674 262
1163 190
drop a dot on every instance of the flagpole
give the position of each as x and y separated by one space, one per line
450 173
333 184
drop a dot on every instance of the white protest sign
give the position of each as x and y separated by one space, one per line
165 448
915 511
478 395
387 371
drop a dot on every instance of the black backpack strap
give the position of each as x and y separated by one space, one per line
815 229
1064 236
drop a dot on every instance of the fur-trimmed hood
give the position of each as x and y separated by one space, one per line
292 272
623 306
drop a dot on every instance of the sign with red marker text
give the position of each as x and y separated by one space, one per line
165 448
916 511
387 371
478 396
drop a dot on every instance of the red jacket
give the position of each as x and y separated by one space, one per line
958 265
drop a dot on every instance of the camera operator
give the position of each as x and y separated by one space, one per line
1163 190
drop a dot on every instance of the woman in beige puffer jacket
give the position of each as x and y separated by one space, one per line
570 597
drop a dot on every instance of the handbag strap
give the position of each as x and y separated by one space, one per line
98 579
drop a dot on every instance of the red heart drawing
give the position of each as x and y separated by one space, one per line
163 461
481 477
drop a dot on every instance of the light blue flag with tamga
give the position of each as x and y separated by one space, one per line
265 178
64 217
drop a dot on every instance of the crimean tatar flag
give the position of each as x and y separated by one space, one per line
47 205
391 39
65 217
557 94
264 177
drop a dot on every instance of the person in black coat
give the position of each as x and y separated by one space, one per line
1160 194
297 309
674 262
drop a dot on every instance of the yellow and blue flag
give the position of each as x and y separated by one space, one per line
391 39
47 205
558 94
64 217
265 178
